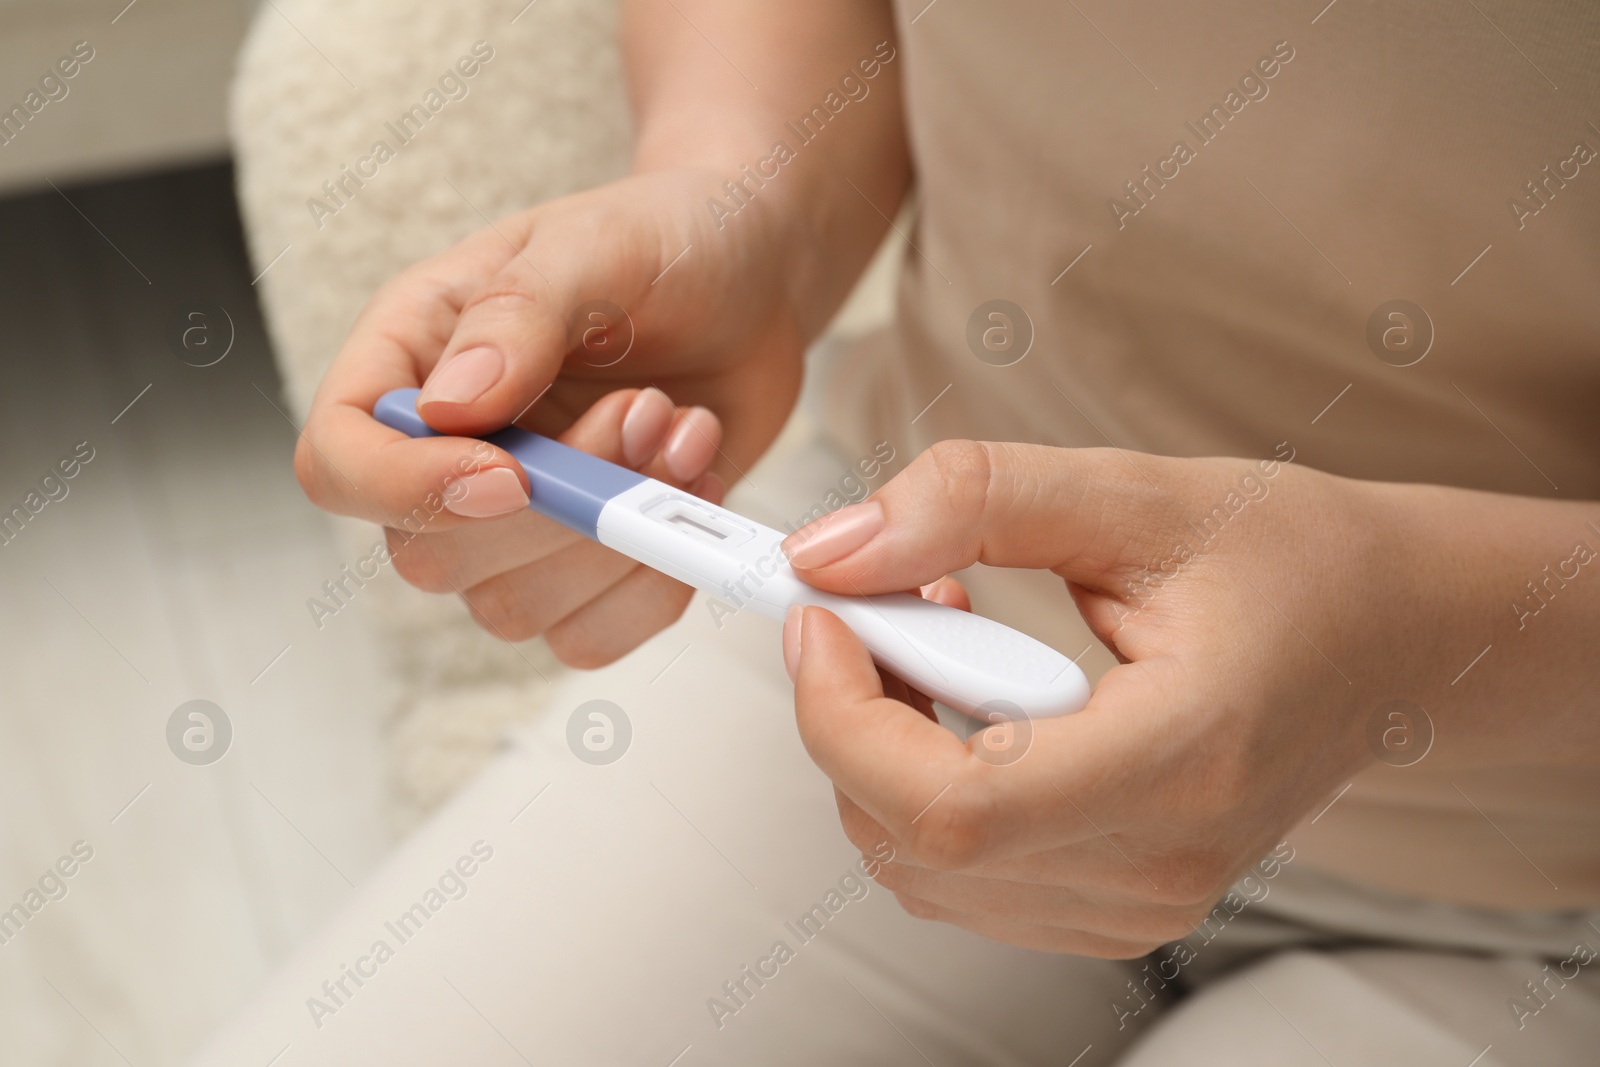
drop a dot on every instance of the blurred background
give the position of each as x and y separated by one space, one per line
173 568
168 304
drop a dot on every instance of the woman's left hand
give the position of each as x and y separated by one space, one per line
1259 611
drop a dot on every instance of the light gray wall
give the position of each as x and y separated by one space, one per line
155 92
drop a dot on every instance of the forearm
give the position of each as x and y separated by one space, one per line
725 90
1507 660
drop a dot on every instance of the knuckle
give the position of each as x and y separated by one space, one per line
894 876
1169 926
497 606
1191 879
963 470
589 640
860 829
308 472
504 292
951 835
579 650
419 560
916 907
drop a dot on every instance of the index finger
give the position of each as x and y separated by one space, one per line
1080 512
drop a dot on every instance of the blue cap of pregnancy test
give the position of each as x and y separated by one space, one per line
567 485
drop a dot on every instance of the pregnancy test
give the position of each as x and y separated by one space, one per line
964 661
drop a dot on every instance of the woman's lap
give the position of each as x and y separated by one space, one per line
616 905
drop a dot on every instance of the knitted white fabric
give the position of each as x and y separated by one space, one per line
317 86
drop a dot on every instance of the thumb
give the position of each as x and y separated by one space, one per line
511 338
1079 512
882 753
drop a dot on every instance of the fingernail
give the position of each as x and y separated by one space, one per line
833 537
791 641
645 425
945 591
689 450
464 377
496 491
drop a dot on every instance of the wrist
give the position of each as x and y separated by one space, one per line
778 192
791 221
1492 602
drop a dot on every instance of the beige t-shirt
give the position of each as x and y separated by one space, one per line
1199 208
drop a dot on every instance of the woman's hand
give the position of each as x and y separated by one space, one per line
657 322
1260 612
508 326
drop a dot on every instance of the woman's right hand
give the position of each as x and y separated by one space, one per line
688 385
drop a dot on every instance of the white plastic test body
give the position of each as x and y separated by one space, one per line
966 662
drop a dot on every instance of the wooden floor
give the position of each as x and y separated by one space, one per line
175 567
